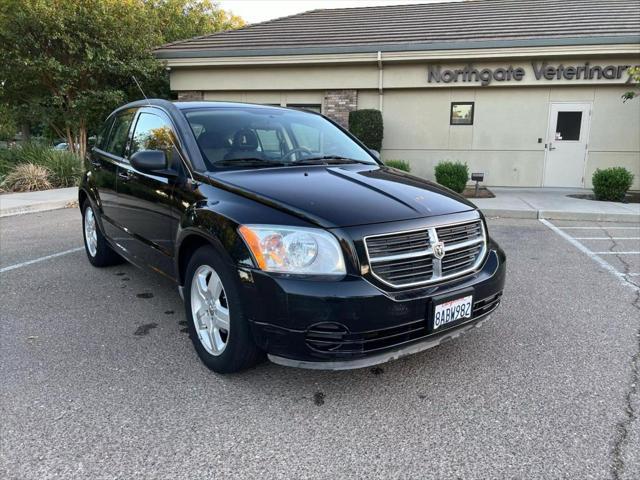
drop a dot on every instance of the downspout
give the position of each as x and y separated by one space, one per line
380 90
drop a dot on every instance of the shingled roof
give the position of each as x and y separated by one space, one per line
468 24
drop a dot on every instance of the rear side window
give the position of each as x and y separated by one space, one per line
153 133
119 134
103 134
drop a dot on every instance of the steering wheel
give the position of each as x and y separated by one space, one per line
297 150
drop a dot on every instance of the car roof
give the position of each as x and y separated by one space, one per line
170 105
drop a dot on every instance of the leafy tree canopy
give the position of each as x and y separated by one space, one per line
67 63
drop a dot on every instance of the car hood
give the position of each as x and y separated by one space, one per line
344 195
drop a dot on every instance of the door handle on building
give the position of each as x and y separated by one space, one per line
551 147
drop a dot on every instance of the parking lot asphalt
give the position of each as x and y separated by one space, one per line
99 379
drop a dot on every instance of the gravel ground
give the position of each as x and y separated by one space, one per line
98 382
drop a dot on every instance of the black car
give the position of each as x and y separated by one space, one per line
285 235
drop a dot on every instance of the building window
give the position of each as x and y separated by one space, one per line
568 126
307 106
461 113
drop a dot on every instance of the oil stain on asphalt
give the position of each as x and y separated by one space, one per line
145 295
145 329
318 398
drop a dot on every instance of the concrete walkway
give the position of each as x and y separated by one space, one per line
554 204
547 203
28 202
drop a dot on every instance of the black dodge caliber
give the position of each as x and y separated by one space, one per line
285 235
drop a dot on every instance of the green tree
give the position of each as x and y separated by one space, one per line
634 78
67 63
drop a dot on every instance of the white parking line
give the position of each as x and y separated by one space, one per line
600 261
41 259
607 238
617 253
597 228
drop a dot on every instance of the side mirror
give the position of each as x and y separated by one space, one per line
149 161
375 153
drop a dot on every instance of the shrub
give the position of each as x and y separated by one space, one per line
27 177
611 183
453 175
367 126
399 164
64 166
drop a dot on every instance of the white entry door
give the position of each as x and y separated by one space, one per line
567 138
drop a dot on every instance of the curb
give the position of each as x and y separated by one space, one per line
38 207
562 215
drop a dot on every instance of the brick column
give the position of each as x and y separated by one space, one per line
190 95
338 104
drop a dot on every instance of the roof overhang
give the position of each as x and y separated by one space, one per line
570 47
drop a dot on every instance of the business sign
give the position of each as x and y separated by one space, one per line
540 71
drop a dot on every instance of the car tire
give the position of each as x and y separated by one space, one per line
98 250
222 350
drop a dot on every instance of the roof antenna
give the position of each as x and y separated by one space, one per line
140 88
186 165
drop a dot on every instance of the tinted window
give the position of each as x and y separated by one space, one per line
119 134
568 125
227 135
153 133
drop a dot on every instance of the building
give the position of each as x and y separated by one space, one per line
528 92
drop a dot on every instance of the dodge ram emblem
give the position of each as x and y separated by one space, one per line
438 250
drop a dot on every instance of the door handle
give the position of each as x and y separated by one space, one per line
125 176
551 147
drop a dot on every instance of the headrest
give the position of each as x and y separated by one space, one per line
212 140
245 139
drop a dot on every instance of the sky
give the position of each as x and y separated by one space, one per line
254 11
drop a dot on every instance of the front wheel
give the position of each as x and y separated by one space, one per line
215 315
98 250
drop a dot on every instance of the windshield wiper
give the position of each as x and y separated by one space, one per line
331 159
249 162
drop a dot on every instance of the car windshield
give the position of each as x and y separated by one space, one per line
241 137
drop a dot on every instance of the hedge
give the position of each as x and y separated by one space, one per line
611 183
367 126
399 164
453 175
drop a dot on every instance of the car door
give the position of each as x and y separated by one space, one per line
144 207
105 158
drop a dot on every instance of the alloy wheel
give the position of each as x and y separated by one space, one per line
90 232
210 310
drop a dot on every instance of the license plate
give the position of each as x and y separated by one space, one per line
452 311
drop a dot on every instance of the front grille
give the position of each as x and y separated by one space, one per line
407 259
460 260
398 244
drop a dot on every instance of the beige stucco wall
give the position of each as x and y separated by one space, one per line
503 142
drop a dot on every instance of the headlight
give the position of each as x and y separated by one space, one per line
298 250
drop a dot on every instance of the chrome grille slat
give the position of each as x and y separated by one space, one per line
406 259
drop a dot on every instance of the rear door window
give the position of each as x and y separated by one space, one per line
103 134
119 134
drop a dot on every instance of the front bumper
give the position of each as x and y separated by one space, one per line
352 323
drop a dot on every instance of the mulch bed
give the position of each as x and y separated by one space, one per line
483 192
632 197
